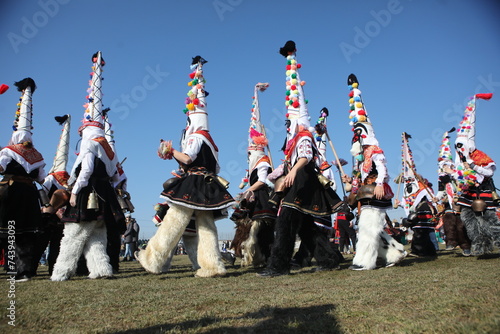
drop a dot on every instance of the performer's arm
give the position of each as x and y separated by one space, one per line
380 164
486 171
262 169
189 155
87 167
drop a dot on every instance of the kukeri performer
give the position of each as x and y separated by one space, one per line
418 204
370 188
449 215
21 166
477 198
200 191
306 202
56 186
93 204
254 201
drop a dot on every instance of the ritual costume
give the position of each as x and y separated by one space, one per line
256 245
477 196
305 201
449 215
21 166
56 186
93 203
199 190
373 193
418 205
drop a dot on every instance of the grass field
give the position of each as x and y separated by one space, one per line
447 294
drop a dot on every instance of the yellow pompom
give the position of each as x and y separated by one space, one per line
359 105
351 101
355 85
190 83
362 118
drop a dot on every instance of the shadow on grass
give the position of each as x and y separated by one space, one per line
312 319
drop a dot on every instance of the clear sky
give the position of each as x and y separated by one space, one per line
417 62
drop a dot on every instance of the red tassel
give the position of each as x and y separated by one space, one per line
485 96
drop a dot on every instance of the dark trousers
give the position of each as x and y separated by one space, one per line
288 224
455 232
421 243
23 257
51 237
346 233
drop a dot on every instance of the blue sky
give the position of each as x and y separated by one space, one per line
418 62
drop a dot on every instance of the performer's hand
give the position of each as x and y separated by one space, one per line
346 178
397 202
379 192
72 200
289 178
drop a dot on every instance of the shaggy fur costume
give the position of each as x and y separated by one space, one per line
483 230
88 238
252 241
455 232
374 242
168 235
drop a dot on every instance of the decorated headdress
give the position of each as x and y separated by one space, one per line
196 106
92 130
445 157
466 133
23 122
61 158
359 120
415 187
296 103
93 115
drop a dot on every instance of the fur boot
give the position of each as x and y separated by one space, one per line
252 256
98 262
76 236
483 229
390 251
209 258
166 239
373 242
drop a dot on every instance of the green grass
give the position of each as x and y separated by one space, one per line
449 294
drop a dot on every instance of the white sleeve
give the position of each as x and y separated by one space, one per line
87 167
486 171
380 164
304 149
193 147
262 172
4 160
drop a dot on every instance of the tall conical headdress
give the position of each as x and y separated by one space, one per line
466 133
445 157
23 122
296 103
61 158
360 121
256 134
93 115
196 106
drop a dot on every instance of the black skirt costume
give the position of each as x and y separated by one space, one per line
260 208
19 202
308 196
109 209
483 192
199 188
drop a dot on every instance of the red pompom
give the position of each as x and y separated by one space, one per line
293 87
299 66
295 104
191 75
